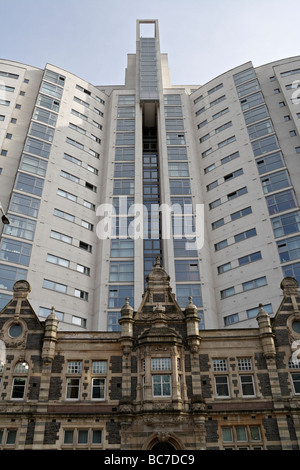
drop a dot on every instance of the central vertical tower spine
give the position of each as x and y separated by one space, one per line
148 90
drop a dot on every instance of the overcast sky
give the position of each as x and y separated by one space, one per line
203 38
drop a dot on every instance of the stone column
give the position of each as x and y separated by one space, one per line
194 340
126 322
176 393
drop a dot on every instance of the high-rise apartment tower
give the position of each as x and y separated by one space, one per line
72 152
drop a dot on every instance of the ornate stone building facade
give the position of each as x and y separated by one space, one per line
159 384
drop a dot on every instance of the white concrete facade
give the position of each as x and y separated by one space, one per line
68 147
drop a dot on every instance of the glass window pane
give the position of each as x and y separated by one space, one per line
184 291
227 434
289 249
54 77
74 367
248 88
187 270
178 169
166 382
97 436
255 433
243 76
124 170
41 131
11 436
286 224
48 102
241 433
83 436
222 386
29 184
99 367
118 294
15 251
121 271
98 389
177 153
20 227
256 114
51 89
18 389
247 385
68 436
37 147
264 145
9 275
292 270
296 383
33 165
161 363
72 388
45 116
24 205
270 162
281 202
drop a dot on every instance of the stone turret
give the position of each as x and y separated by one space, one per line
126 322
192 325
21 292
266 333
50 337
290 288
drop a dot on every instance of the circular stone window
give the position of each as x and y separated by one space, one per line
296 326
15 330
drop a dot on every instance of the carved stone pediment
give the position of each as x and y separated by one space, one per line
158 298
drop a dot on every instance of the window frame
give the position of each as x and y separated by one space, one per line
236 443
73 440
21 370
222 385
73 380
248 384
165 387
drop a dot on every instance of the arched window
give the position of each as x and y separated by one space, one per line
21 368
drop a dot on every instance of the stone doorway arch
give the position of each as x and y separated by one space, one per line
163 442
163 447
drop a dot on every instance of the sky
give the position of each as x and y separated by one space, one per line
203 38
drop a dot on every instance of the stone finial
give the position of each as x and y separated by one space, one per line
191 304
159 318
261 311
21 290
51 321
126 309
52 315
191 309
289 285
